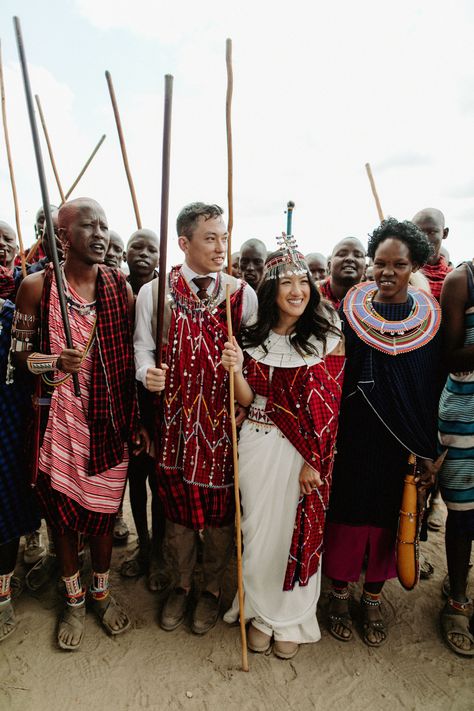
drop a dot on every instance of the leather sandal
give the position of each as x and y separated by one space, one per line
454 619
337 619
106 612
372 625
72 620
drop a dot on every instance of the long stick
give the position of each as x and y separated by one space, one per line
228 121
238 530
10 168
165 193
123 148
86 165
50 149
44 192
374 191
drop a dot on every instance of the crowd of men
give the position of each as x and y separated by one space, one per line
84 449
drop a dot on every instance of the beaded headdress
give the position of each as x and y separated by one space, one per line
289 262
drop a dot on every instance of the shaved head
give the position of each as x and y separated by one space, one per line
317 265
5 227
353 241
431 214
148 234
431 222
69 210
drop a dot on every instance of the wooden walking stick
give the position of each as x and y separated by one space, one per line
10 168
86 165
374 191
123 149
44 193
165 193
228 121
238 531
50 149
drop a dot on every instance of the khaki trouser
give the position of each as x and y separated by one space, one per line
181 545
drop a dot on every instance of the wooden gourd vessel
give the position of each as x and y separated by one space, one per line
409 522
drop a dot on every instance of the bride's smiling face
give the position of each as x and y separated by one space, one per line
293 296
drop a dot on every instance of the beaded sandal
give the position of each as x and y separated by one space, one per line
337 619
368 625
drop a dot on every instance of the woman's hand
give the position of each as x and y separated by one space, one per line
155 379
310 479
428 471
232 356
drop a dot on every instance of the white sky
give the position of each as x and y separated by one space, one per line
319 89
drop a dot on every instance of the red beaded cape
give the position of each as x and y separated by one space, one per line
303 402
196 439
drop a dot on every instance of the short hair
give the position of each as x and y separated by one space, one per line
190 214
254 242
407 232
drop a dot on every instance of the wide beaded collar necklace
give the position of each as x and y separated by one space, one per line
392 337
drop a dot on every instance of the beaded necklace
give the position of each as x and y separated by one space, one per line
392 337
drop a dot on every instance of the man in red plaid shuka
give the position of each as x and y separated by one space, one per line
83 440
194 466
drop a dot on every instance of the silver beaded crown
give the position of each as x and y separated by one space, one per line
289 262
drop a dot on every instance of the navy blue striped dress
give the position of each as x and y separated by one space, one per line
456 425
18 510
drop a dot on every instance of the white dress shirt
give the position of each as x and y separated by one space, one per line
144 341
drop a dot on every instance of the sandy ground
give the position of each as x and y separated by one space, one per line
147 668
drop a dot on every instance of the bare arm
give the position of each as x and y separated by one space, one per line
25 326
232 356
454 296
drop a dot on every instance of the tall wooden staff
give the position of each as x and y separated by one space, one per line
50 148
230 194
238 529
123 149
228 121
374 191
34 248
84 168
44 193
10 168
165 193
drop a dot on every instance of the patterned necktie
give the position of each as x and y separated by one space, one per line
202 283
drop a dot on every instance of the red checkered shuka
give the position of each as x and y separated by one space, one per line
326 292
304 404
196 438
436 274
112 415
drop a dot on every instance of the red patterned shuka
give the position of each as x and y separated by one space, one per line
112 415
304 404
195 472
326 292
436 274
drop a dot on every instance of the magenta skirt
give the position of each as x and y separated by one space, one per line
345 548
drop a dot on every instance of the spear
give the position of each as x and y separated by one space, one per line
228 121
44 192
10 167
123 148
50 148
374 191
165 192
